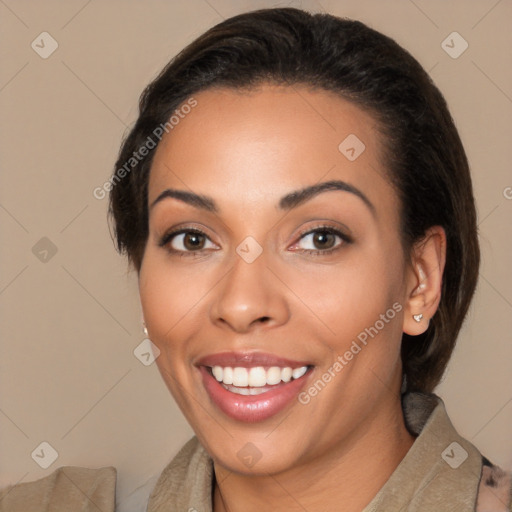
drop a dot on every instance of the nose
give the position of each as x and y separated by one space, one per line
249 297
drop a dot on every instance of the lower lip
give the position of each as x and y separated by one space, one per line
252 408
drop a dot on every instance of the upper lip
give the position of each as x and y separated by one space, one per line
248 360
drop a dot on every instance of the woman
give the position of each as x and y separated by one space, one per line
305 240
298 206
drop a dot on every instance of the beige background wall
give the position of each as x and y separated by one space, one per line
70 321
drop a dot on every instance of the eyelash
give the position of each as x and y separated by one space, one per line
168 237
345 239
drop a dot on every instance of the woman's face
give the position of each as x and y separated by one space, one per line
274 252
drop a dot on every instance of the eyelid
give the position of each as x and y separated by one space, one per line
325 227
345 238
169 235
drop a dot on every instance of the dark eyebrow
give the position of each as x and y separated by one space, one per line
203 202
289 201
298 197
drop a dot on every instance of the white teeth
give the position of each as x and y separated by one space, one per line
240 377
228 375
297 373
218 373
273 375
246 391
286 374
257 377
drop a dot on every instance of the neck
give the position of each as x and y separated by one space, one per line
351 474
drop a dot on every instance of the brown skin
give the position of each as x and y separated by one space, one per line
246 151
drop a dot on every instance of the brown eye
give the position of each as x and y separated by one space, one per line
324 240
321 240
189 241
193 241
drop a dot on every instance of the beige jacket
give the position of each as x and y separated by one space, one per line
441 472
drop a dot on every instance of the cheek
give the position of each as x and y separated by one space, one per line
350 296
358 313
170 296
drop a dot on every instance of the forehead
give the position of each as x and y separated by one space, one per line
261 144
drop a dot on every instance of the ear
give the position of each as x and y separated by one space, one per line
424 281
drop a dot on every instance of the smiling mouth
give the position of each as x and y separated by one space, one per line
256 380
252 388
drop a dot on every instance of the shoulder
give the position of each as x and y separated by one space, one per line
67 488
441 466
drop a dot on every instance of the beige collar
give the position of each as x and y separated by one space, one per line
440 469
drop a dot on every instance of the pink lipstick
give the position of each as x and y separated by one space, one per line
252 387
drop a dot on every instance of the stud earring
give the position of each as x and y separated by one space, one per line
418 318
144 328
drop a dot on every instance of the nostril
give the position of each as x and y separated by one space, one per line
264 319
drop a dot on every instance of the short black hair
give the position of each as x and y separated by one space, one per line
424 155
